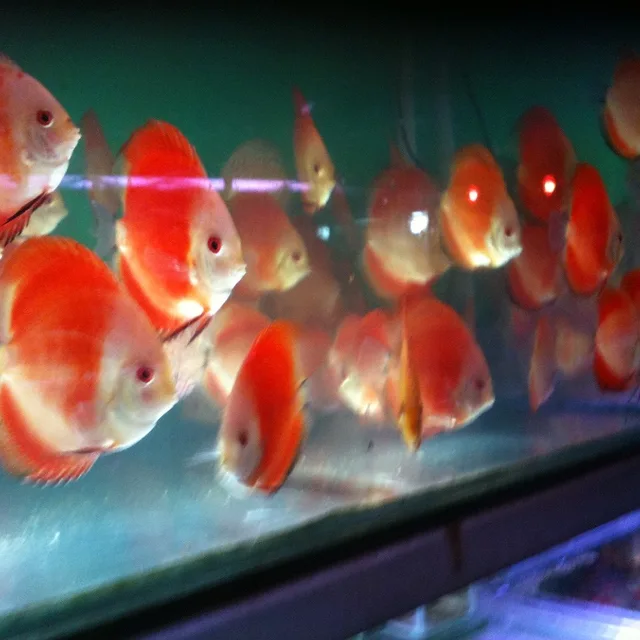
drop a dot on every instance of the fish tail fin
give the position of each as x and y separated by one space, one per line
23 454
409 414
300 105
543 368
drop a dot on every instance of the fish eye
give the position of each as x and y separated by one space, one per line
508 232
480 384
473 193
214 244
243 439
296 256
316 168
44 117
144 374
549 185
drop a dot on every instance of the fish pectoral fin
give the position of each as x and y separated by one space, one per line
303 391
24 455
15 224
198 324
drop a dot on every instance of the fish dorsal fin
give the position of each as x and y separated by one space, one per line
161 147
627 53
475 153
46 252
6 61
396 157
300 105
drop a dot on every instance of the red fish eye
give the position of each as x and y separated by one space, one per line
549 185
243 439
45 118
296 256
473 193
144 374
316 168
480 384
508 232
214 244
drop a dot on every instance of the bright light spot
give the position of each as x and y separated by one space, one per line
323 233
473 194
419 222
549 185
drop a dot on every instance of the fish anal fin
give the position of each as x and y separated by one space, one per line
199 324
15 224
23 454
543 366
273 476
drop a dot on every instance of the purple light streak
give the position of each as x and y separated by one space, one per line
78 182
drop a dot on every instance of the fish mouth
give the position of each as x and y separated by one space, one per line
43 150
128 428
502 248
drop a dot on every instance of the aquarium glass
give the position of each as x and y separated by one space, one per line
318 231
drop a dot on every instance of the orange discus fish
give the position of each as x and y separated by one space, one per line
179 252
82 371
546 166
274 252
359 362
535 277
403 249
313 164
621 114
593 236
263 424
232 333
452 374
479 221
617 344
37 140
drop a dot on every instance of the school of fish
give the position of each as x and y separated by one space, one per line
236 292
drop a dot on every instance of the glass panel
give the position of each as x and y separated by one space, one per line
323 294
